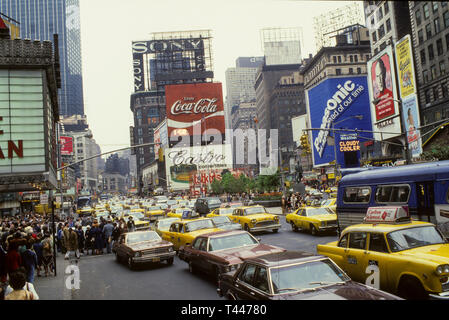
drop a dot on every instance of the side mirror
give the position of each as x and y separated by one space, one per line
259 239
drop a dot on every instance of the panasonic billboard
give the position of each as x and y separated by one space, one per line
341 103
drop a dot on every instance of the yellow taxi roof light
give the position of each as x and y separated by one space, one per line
394 214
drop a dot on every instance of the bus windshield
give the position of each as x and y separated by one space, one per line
84 202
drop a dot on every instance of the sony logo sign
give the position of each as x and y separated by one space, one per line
153 46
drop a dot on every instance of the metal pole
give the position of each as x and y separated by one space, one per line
335 153
53 228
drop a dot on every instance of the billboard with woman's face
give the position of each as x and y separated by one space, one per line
381 79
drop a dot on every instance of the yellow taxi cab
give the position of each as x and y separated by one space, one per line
330 203
393 253
85 211
183 232
183 213
138 218
224 211
255 218
154 213
312 219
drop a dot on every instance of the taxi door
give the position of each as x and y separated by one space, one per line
376 262
236 215
355 257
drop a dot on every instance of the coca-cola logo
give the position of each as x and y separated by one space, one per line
203 105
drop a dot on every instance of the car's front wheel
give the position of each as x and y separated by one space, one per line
294 226
191 268
130 263
170 261
313 230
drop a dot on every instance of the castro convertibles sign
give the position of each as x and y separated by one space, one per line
194 108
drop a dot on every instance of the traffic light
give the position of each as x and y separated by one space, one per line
305 145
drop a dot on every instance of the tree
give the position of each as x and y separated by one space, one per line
438 151
217 187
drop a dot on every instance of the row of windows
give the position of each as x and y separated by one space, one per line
384 194
426 11
436 28
381 31
433 94
431 52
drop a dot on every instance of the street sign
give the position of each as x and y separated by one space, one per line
44 198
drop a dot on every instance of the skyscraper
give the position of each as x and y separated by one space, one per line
39 20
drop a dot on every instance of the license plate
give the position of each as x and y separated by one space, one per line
156 259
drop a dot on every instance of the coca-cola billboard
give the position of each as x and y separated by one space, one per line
194 108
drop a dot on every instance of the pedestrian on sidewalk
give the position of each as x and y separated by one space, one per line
107 232
37 247
71 243
81 239
19 288
47 253
29 262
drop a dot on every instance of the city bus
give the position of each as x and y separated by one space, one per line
423 188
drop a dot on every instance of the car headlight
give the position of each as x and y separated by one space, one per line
170 249
444 268
138 254
276 218
253 221
323 224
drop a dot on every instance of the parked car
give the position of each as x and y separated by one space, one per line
143 247
163 225
205 205
293 275
224 251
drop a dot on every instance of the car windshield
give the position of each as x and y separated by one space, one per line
172 202
414 237
317 212
326 203
226 211
199 224
165 224
221 220
135 237
181 210
154 208
307 275
254 210
213 201
232 241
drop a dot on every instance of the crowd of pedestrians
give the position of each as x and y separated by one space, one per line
26 247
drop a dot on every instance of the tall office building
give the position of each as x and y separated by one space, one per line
327 25
39 20
281 45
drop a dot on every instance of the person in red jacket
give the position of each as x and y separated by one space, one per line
13 259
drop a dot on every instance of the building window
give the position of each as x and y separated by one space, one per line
426 10
334 58
442 67
418 17
381 31
435 93
420 36
427 96
435 6
439 47
430 50
351 71
444 89
374 35
423 56
447 41
388 24
386 8
433 72
351 58
428 31
379 14
338 72
436 24
356 58
425 76
339 59
359 70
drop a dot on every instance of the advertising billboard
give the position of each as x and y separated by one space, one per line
66 145
182 164
341 103
383 97
299 123
194 108
408 93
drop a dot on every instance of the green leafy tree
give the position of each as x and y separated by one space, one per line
438 151
217 187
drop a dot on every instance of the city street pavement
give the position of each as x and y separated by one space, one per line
102 278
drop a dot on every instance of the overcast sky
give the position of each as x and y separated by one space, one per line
108 28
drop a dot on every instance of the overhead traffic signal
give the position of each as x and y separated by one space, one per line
305 145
